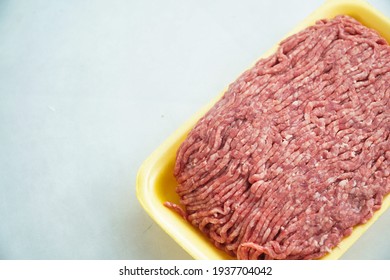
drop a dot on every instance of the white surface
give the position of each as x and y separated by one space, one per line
88 89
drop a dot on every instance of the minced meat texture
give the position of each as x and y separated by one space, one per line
296 152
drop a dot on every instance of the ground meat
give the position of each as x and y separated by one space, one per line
297 151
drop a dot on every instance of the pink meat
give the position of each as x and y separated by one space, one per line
297 151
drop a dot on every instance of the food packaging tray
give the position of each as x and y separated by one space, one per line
155 181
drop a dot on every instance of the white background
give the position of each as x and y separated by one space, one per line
186 269
88 89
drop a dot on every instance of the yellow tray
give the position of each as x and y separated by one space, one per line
155 181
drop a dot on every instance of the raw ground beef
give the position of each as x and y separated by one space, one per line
297 151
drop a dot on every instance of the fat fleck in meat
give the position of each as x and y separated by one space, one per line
297 151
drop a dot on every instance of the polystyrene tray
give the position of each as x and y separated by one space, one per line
155 181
